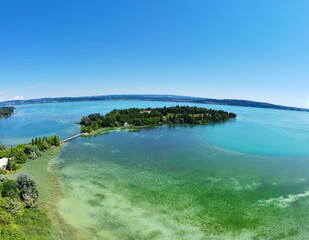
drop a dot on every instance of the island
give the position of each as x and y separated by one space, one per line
6 112
137 117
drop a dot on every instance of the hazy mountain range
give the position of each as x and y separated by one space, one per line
168 98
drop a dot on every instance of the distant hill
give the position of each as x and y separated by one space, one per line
163 98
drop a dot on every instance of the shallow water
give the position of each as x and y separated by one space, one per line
246 178
174 183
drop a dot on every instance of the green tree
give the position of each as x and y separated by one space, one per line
32 151
5 148
3 153
57 141
9 189
12 164
29 194
45 146
19 154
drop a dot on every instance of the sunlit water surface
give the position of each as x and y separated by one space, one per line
245 178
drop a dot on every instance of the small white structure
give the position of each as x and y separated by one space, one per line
126 124
3 162
145 111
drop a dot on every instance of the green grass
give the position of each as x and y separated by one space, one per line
44 222
37 168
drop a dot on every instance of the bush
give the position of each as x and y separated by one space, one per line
3 153
12 205
18 152
10 232
5 148
3 179
33 155
34 223
5 218
29 199
9 189
28 191
33 151
18 166
45 146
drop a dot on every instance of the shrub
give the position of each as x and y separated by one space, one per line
9 189
3 179
12 205
5 148
2 153
18 166
33 151
10 231
45 146
18 152
33 155
28 191
5 218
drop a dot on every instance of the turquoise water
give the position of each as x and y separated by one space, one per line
256 131
174 183
243 179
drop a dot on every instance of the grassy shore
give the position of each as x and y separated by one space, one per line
46 222
107 130
50 194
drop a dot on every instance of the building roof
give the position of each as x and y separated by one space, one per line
3 162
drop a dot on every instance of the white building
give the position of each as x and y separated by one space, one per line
3 162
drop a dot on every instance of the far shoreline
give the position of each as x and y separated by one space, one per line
157 98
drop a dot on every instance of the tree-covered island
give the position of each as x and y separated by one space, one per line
153 116
6 112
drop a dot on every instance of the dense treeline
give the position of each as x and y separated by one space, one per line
20 217
156 116
21 153
6 112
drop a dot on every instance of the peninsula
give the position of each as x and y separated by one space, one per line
153 116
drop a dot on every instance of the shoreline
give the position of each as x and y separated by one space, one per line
50 192
51 189
115 129
107 130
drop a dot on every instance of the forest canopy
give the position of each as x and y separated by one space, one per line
6 112
155 116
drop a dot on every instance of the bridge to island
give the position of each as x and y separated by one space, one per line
71 138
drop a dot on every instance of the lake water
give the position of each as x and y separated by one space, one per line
247 177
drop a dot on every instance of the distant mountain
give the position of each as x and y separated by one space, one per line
163 98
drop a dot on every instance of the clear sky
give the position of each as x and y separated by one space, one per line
255 50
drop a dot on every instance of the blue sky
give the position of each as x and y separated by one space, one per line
255 50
